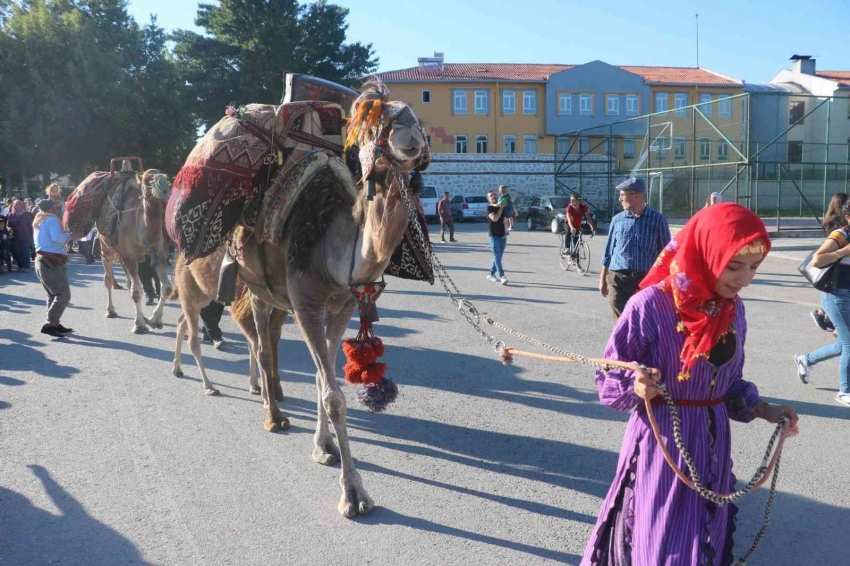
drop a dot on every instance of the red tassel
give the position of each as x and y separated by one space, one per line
374 373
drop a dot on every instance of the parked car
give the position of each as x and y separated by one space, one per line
547 212
428 199
469 208
550 212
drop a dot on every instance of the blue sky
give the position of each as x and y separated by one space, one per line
747 39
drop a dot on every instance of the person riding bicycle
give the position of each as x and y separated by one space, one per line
575 212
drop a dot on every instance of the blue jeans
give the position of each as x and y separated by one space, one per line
497 245
837 307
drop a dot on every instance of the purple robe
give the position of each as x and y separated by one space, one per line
651 518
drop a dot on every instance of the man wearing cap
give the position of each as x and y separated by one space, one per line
635 238
51 257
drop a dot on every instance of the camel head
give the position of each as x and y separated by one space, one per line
390 126
155 185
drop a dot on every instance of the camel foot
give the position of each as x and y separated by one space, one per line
278 393
274 424
254 390
140 329
326 455
211 391
355 501
110 314
177 372
156 325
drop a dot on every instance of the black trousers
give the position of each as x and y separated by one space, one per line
211 316
621 286
85 249
150 280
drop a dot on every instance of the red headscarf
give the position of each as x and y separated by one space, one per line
690 265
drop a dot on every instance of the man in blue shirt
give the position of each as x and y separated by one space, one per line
636 237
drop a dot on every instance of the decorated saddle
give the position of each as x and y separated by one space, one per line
84 204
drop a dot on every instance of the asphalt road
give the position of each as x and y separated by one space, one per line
107 459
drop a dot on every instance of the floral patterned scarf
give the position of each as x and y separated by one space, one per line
691 264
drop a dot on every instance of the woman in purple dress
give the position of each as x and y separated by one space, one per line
689 326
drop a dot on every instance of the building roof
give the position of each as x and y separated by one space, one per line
792 88
841 77
523 72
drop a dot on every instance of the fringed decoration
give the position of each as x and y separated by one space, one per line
505 355
362 352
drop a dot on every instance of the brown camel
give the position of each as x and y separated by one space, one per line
134 214
327 245
196 287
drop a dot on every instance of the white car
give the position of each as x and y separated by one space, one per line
429 200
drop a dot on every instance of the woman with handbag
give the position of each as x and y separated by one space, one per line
834 254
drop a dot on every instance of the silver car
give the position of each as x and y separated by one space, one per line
469 208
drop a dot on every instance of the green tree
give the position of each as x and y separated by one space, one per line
250 44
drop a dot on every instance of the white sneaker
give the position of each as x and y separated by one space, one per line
802 368
503 280
491 277
843 398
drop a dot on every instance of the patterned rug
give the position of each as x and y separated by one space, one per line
412 257
83 205
215 185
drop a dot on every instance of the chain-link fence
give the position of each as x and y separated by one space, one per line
779 153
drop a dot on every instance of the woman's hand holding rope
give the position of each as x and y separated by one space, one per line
646 383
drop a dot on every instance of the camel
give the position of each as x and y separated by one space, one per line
138 201
327 245
196 287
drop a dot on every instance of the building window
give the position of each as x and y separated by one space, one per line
565 104
529 102
481 102
461 145
680 101
509 144
705 100
610 147
584 145
508 102
613 104
795 152
585 104
724 107
529 144
660 101
722 151
629 149
704 149
631 105
459 106
480 144
563 145
798 109
663 142
678 148
426 96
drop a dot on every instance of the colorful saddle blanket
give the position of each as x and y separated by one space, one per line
84 204
222 175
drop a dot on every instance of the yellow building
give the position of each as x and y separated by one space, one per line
523 108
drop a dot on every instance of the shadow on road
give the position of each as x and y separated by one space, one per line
383 516
28 358
36 537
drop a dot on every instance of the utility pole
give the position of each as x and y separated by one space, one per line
697 18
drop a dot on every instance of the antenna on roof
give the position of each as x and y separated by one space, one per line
697 18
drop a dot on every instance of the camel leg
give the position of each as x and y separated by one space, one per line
178 345
354 498
274 420
165 288
108 281
278 317
131 269
252 371
325 452
192 320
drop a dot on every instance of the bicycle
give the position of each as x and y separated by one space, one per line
574 254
